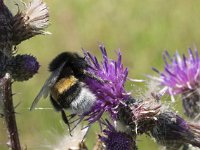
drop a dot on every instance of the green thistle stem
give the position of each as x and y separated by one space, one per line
9 113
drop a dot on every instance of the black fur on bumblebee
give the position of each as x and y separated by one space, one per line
66 86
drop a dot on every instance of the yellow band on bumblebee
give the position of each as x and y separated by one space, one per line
63 85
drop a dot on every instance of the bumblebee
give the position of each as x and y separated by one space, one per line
66 87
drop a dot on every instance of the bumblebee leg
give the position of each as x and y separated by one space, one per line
78 121
71 116
65 119
75 120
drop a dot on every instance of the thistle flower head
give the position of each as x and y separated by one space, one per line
23 67
30 22
180 74
111 93
115 140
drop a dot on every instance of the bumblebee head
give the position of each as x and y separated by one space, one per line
72 60
58 61
76 63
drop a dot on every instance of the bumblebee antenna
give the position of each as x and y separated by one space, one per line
93 76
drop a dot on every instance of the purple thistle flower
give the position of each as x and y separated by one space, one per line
111 93
23 67
115 140
182 76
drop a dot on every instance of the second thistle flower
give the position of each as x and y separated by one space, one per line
182 76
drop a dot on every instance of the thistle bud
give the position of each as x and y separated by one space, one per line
23 67
174 132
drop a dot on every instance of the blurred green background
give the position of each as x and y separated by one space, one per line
141 29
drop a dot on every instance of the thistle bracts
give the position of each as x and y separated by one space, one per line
30 22
140 116
182 76
174 132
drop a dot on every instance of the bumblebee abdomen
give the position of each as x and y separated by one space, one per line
63 85
83 102
67 97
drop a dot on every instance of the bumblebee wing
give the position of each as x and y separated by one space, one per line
44 92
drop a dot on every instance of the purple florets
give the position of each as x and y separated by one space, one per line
111 93
115 140
181 74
